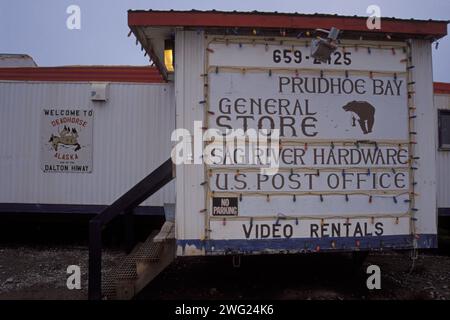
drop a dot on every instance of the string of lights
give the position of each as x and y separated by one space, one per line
315 170
414 160
303 41
394 48
371 217
371 193
313 142
207 113
296 71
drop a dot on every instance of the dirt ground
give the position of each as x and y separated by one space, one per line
40 273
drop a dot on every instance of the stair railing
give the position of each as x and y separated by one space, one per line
125 204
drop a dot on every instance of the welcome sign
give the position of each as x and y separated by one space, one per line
66 140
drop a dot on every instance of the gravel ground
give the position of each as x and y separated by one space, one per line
40 273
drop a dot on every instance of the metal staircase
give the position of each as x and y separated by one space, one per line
147 259
140 267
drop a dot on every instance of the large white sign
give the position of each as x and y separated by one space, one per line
344 132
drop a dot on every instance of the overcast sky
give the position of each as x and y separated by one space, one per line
38 27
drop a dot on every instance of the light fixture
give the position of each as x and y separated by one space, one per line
169 55
321 49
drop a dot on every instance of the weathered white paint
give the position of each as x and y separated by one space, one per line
131 137
311 206
425 127
388 207
442 102
189 67
257 98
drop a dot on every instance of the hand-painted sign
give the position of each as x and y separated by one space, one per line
344 141
66 140
309 107
294 54
350 155
307 228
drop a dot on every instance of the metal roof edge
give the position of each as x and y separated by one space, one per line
134 74
227 19
285 13
441 87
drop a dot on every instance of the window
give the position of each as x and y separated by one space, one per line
444 129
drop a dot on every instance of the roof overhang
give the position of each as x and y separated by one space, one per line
151 28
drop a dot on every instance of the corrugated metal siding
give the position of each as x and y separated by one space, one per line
189 91
425 125
131 137
442 101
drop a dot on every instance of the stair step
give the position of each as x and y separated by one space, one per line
167 232
149 252
109 288
127 271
